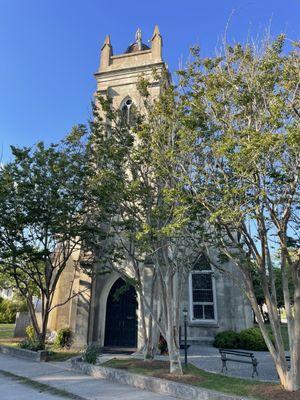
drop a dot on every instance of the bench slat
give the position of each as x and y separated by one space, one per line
236 352
240 361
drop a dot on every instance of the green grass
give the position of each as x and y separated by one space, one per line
222 383
6 331
198 377
61 355
208 380
6 338
41 387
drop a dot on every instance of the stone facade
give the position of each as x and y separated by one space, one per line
225 306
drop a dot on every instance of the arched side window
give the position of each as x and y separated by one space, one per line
202 292
127 106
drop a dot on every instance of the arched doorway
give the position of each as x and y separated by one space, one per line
121 318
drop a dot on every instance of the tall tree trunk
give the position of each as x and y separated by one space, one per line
152 336
174 351
172 336
45 318
295 345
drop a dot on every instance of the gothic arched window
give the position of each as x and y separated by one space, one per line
127 108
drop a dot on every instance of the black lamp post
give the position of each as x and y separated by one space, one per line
185 313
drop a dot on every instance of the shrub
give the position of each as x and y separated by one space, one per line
227 340
29 345
64 338
252 339
9 309
91 353
31 342
248 339
30 333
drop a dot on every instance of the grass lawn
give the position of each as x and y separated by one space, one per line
61 354
6 338
6 331
197 377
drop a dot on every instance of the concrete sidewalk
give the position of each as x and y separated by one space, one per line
60 376
12 390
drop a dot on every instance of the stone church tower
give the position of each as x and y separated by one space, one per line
118 75
214 301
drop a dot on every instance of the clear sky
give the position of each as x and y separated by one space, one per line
49 50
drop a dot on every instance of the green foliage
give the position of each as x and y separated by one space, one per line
245 107
227 340
31 342
91 353
29 345
30 333
247 339
252 339
64 338
42 208
9 309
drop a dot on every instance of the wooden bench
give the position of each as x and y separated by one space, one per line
244 357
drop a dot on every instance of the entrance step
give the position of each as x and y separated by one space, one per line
118 350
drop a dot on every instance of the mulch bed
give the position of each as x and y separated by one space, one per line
186 378
134 362
274 392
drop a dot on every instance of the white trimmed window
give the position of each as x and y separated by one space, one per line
202 292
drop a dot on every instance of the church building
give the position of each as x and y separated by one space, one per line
214 300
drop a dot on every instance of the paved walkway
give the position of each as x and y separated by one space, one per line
60 376
12 390
208 358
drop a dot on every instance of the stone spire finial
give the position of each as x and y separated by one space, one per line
106 41
138 38
156 31
106 53
156 44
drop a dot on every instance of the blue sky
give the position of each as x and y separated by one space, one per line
49 50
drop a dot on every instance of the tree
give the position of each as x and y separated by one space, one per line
245 105
43 201
148 217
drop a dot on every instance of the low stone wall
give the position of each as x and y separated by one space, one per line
157 385
41 355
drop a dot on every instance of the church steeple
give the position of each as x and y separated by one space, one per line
119 74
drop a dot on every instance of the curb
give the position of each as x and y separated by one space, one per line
156 385
40 355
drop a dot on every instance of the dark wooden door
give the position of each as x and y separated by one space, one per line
121 318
